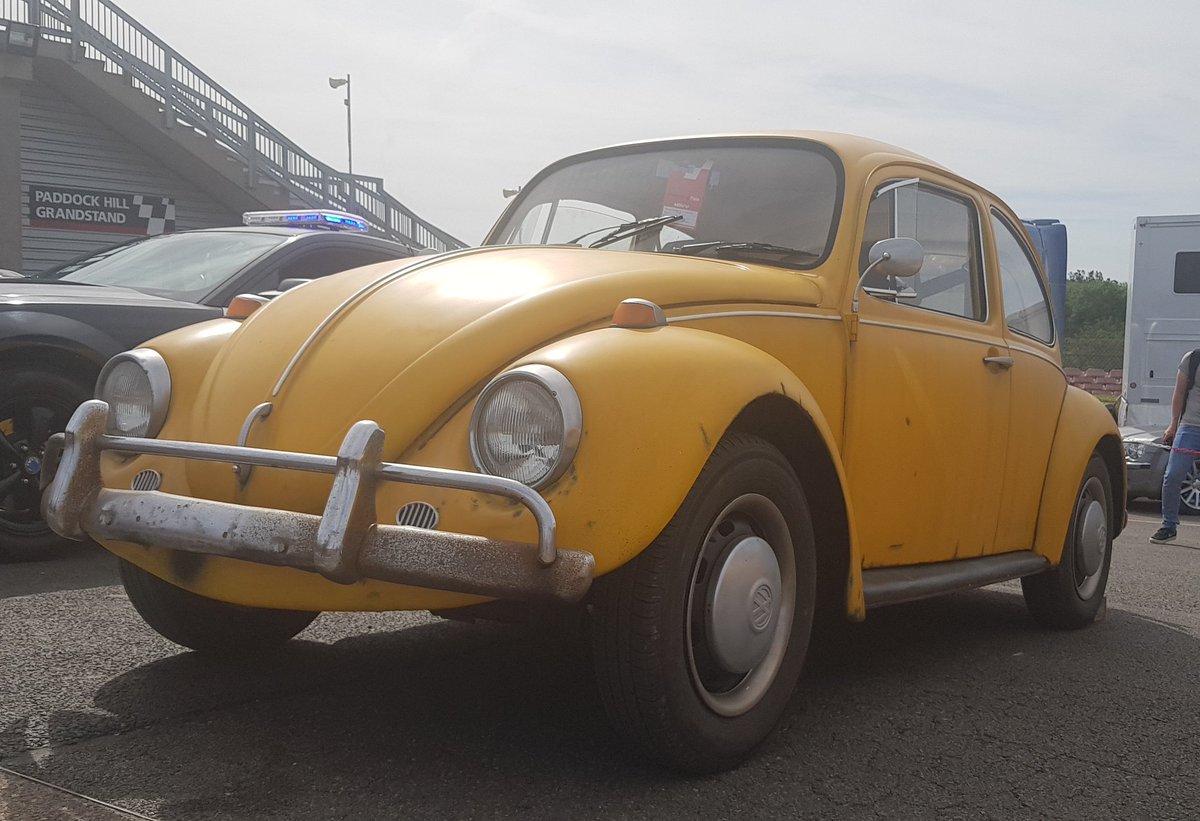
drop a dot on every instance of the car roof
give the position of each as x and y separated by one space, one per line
850 147
291 232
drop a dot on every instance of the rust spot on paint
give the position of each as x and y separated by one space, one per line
186 567
908 421
704 436
590 525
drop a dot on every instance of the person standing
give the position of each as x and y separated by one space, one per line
1183 435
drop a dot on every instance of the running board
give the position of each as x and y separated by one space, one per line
893 585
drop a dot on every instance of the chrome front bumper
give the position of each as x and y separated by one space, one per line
345 544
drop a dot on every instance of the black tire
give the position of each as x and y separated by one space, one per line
33 405
205 624
658 662
1070 595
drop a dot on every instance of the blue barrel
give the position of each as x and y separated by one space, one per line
1050 240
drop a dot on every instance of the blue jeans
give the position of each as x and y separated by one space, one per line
1186 438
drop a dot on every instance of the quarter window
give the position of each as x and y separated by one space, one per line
1026 309
947 226
1187 272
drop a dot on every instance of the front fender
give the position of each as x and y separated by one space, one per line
1084 427
21 329
655 404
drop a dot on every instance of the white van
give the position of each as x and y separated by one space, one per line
1162 323
1162 319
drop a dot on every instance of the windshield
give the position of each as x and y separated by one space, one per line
774 202
180 266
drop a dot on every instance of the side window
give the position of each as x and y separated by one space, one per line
1026 309
1187 272
947 226
330 260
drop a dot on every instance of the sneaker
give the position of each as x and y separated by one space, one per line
1163 535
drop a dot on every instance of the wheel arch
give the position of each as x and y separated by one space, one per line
788 427
80 364
1084 428
1113 453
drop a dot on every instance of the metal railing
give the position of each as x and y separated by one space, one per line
189 98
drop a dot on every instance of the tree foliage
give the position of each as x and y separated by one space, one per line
1094 321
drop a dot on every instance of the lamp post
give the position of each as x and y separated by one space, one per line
338 82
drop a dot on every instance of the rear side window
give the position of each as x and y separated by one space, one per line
1187 272
332 259
1026 309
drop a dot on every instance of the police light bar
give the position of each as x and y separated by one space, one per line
332 220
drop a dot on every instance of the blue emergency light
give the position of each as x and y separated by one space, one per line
330 220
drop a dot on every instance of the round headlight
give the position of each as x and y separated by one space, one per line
526 425
137 387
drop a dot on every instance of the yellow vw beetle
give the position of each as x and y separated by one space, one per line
701 388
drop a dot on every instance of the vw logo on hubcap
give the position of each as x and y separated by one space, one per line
763 608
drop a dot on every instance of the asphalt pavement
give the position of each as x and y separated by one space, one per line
958 707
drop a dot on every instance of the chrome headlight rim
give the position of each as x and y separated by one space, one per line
158 375
564 396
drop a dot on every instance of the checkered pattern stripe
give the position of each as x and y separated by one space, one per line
159 213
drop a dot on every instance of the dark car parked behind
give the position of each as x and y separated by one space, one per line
57 329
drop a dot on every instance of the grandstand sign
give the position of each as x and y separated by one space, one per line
110 212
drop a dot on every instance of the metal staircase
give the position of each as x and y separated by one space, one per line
190 99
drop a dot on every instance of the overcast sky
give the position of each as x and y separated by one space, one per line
1087 111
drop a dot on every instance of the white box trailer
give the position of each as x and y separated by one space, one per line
1162 319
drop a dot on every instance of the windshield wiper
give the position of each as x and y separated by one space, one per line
722 249
624 230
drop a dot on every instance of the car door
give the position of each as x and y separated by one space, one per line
927 411
1038 383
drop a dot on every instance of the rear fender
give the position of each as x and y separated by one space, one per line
1084 427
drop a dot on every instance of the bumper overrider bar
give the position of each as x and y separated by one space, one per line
345 544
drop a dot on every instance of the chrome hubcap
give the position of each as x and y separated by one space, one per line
1091 538
742 605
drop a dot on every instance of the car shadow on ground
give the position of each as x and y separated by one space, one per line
72 566
511 724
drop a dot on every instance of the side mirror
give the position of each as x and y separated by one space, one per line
896 257
892 257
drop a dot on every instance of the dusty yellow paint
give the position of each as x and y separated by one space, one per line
898 396
1076 438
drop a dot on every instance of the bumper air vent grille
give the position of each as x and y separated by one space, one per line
418 514
146 480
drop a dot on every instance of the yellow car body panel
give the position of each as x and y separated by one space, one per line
1084 427
899 396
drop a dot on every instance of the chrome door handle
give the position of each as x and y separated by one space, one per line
1002 362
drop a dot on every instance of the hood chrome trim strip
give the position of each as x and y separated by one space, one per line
359 294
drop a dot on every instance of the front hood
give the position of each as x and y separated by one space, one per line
1131 434
32 293
413 345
